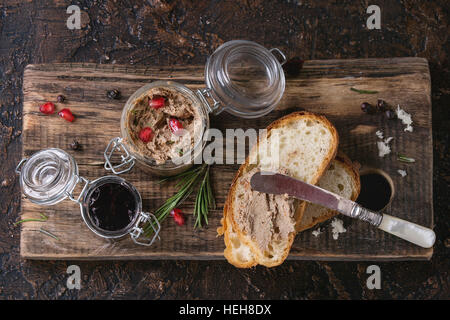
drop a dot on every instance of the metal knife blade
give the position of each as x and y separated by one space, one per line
275 183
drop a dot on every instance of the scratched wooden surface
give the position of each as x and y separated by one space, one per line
185 32
323 86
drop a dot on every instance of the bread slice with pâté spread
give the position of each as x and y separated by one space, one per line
341 177
301 145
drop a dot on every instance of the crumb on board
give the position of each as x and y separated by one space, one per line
383 147
316 233
379 134
337 228
405 117
402 173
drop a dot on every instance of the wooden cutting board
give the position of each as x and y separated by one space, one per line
322 87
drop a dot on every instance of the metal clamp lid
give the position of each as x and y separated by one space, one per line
20 165
216 108
127 161
70 193
137 232
282 55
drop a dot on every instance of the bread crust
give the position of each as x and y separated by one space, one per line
229 208
228 252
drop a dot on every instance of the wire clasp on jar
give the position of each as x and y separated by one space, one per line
70 195
280 53
204 93
18 171
137 232
127 162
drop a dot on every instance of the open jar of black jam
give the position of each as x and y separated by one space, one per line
110 206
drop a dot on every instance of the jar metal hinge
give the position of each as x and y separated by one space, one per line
137 232
127 162
83 191
204 93
20 165
280 53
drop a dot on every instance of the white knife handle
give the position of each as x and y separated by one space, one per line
408 231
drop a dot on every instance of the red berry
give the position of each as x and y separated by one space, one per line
175 211
47 108
175 126
157 102
178 216
179 219
146 134
66 114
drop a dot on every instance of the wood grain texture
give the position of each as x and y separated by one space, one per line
322 87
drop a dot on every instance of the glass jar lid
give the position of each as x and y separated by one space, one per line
245 79
48 176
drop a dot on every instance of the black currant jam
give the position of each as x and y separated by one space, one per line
375 192
112 206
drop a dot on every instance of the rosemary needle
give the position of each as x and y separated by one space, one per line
403 158
43 219
364 91
48 233
204 201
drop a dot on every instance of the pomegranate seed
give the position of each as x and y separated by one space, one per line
146 134
179 219
175 211
47 108
175 126
178 216
157 102
66 114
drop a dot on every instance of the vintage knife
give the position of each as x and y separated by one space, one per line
276 183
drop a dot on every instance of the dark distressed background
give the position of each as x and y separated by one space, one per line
184 32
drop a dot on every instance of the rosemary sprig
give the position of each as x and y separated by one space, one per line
42 219
404 158
364 91
186 185
204 201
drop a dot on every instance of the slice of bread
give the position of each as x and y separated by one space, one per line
341 172
342 178
301 144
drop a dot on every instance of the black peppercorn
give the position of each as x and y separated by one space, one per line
61 98
382 105
113 94
368 108
75 145
390 114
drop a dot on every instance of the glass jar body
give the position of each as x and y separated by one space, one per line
172 166
85 210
